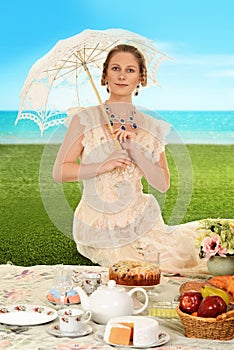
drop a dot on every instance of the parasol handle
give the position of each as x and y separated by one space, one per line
99 99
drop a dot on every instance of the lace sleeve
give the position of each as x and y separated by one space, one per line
152 138
89 117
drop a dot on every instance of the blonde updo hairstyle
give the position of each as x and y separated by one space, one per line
129 49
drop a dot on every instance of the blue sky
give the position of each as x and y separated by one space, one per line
198 34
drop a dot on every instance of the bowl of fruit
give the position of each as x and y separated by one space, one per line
206 313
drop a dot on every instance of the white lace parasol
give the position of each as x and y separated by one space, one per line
61 79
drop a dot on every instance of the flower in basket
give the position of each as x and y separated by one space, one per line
216 238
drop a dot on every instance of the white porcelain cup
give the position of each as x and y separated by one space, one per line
72 320
91 281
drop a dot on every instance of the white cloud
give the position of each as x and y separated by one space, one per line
205 60
179 52
192 81
228 73
171 48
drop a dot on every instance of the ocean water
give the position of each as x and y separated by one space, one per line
189 127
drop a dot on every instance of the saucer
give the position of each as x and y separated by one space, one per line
55 330
163 338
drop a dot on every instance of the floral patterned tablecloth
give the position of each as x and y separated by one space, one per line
30 285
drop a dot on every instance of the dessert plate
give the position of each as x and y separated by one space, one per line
57 303
163 338
55 330
26 315
71 297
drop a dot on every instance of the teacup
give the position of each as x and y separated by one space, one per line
91 281
72 320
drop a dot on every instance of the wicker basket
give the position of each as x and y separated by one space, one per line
206 328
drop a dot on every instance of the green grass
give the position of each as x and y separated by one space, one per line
202 185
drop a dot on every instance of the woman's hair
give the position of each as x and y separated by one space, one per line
129 49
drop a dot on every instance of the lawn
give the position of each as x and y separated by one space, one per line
202 185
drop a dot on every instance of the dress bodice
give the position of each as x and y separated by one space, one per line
109 189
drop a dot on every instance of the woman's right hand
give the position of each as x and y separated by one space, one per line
117 159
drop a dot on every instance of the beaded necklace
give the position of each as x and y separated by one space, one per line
113 118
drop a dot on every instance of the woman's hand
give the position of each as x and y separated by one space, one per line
124 135
126 139
118 159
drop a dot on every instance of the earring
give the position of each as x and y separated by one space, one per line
107 89
136 93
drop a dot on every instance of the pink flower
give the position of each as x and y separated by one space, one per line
212 246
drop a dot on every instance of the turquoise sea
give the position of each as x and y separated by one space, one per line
190 127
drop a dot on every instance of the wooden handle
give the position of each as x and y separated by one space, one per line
224 316
99 99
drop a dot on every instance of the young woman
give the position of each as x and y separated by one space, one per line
116 145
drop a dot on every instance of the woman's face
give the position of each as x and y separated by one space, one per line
123 75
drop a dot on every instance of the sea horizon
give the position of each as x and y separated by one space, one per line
187 126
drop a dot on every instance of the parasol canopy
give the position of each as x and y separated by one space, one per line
61 79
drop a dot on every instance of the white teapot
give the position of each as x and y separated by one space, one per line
110 301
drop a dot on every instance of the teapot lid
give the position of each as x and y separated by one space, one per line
111 286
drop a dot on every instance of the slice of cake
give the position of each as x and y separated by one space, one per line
55 297
117 333
130 325
132 330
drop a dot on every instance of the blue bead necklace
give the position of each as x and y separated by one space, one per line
113 118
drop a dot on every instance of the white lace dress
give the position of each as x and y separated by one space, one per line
115 219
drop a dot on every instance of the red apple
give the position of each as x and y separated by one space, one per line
211 306
190 301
